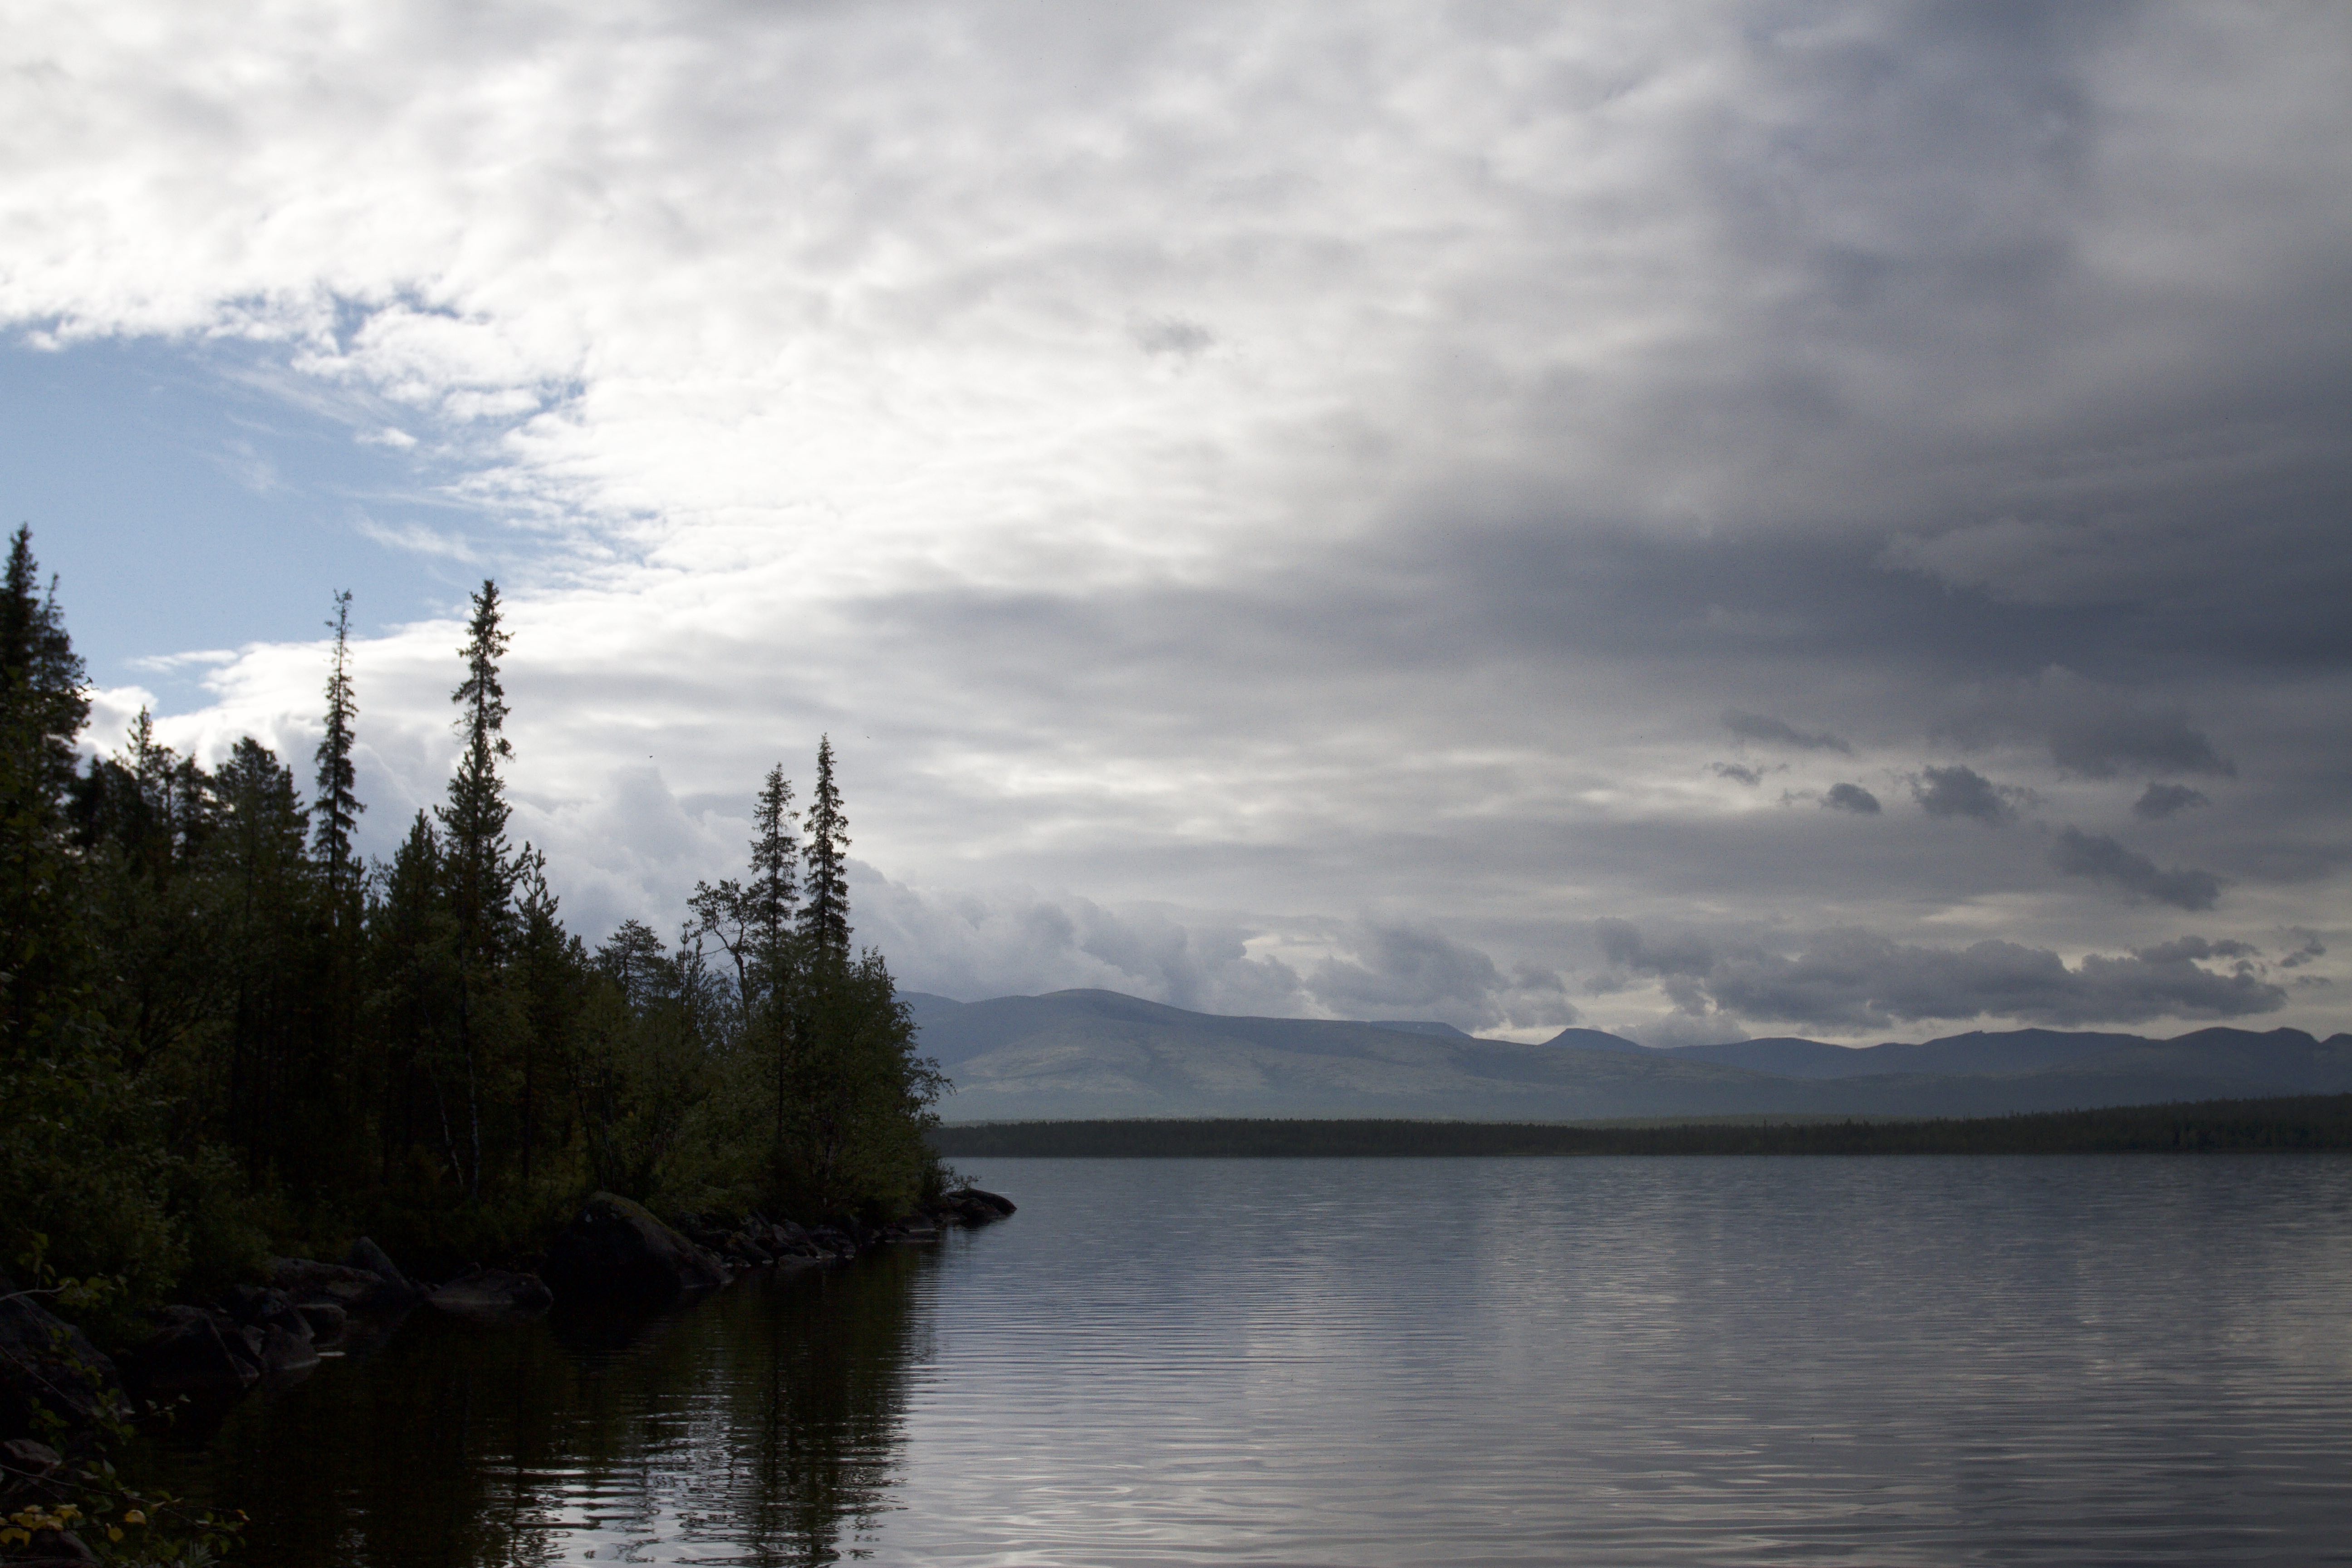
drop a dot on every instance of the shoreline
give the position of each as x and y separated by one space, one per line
2286 1124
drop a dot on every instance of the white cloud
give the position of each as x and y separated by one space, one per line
1277 459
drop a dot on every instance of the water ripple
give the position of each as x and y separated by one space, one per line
1392 1362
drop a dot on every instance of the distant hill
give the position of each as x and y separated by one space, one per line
1101 1054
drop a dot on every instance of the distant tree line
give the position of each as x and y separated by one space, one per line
223 1031
2307 1122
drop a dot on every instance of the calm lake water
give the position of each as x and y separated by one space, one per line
1374 1361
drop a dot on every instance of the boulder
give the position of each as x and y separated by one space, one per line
188 1353
355 1290
47 1360
55 1549
28 1457
368 1258
1002 1207
616 1247
493 1296
285 1351
970 1205
830 1242
326 1320
285 1345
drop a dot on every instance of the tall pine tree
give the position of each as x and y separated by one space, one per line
42 706
337 810
774 890
824 911
480 866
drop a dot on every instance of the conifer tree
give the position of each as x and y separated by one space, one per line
338 806
825 914
775 856
479 867
42 707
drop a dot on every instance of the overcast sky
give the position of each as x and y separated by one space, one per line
1702 520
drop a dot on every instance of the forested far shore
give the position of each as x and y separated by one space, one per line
226 1034
2298 1123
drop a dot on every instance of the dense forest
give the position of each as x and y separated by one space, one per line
2300 1123
224 1033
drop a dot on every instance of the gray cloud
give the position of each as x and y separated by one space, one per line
1300 459
2159 801
1737 774
1779 733
2092 728
971 945
2311 951
1398 972
1172 335
2118 741
2080 854
1850 797
1850 981
1960 791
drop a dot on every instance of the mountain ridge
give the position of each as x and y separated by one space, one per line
1092 1053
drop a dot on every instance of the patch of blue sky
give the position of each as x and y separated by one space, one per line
192 497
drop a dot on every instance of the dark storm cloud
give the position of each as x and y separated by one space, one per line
1779 733
1850 797
1737 774
1959 791
2159 801
1849 981
2094 855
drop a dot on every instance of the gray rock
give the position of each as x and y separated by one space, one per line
28 1457
493 1295
367 1256
48 1361
326 1320
355 1290
616 1248
285 1351
1002 1207
189 1353
283 1346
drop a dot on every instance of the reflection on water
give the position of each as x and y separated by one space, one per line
1701 1361
753 1427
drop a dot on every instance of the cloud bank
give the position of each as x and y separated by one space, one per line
1333 477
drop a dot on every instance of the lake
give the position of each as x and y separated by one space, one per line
2062 1360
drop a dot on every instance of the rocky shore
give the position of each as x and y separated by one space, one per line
60 1396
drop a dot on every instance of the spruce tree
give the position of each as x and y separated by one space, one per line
480 866
825 914
42 706
338 806
775 857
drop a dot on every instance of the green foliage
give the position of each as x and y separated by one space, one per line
221 1033
115 1521
83 1176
